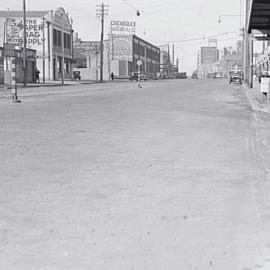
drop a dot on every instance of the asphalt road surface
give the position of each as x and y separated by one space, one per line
172 176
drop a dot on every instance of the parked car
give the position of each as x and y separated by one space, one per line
181 75
194 75
134 76
236 76
76 75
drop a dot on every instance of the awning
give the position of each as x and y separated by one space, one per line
259 16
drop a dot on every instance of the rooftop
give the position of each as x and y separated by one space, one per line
19 13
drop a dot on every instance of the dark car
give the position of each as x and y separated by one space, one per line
76 75
134 76
195 75
236 76
182 75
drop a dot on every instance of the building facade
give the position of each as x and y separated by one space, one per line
50 33
87 59
126 50
5 66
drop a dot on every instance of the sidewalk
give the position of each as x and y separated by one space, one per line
255 98
32 87
56 83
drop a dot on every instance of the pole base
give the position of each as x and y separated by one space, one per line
16 101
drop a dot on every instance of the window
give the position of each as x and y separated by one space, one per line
65 40
59 38
54 37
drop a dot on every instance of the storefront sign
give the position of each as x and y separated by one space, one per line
123 27
122 48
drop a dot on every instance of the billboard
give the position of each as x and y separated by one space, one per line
123 27
122 48
209 55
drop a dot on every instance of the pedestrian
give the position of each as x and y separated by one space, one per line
37 75
112 76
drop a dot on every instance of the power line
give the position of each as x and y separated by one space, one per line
129 4
200 38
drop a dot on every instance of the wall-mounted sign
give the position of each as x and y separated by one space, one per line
86 46
14 32
122 48
123 27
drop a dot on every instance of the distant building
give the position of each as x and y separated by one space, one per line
166 67
125 50
87 59
207 56
44 34
120 56
5 64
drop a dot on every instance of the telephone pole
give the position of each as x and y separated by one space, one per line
43 49
62 49
24 46
247 45
102 10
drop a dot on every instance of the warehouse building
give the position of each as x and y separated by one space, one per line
48 32
127 49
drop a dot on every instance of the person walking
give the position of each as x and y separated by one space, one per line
112 76
37 75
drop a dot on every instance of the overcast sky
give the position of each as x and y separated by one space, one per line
161 21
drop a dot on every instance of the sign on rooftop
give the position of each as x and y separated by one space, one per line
123 27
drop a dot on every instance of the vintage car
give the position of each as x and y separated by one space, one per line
134 76
76 75
235 76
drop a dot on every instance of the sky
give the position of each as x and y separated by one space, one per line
176 22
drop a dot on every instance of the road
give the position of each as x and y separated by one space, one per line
171 176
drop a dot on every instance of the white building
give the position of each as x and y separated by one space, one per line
46 32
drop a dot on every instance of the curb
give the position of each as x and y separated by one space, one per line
252 105
55 85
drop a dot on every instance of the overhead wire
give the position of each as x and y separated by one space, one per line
200 38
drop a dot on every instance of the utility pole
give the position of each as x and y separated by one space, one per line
169 61
43 48
247 47
24 46
62 48
173 54
102 11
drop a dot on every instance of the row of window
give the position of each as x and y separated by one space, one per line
150 53
57 39
150 67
